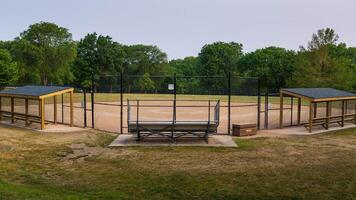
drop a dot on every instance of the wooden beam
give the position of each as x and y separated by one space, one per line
327 114
71 108
296 95
55 109
335 99
57 93
12 110
281 109
42 108
310 116
26 111
299 110
19 96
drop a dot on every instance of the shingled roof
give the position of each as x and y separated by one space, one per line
37 92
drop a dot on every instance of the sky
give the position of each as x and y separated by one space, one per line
181 27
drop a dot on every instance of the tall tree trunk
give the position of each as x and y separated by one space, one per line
44 79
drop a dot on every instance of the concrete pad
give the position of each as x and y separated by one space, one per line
50 128
59 128
127 140
301 130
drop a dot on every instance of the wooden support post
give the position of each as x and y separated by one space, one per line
342 113
42 113
315 109
291 111
327 114
137 115
26 111
12 110
346 106
299 110
71 108
355 112
62 109
39 108
281 109
311 114
0 110
55 109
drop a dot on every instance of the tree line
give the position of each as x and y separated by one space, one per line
46 54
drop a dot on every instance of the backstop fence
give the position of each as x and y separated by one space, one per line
104 105
240 99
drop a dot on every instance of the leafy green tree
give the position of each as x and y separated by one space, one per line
5 45
218 59
26 58
144 83
84 67
97 57
142 59
273 64
8 69
321 65
348 55
322 38
185 69
46 50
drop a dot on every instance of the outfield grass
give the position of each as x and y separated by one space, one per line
41 166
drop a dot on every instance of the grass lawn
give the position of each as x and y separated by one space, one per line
79 166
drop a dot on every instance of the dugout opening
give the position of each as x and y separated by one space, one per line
13 98
319 96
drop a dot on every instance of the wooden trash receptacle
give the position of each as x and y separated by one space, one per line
244 129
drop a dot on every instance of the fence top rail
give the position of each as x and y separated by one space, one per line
179 76
195 100
163 121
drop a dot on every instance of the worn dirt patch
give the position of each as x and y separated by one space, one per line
78 153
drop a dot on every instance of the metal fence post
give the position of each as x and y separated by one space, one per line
175 86
92 101
229 105
121 102
175 97
266 109
258 103
85 108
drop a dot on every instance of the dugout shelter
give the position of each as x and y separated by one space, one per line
33 93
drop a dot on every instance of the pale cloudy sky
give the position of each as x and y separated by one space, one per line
182 27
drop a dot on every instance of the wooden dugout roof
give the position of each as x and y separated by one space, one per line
35 92
319 94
